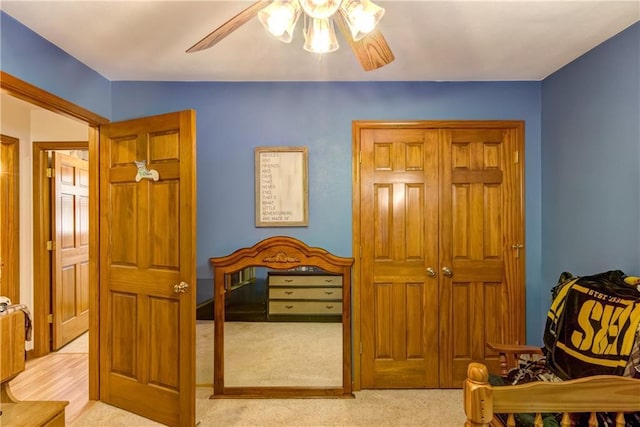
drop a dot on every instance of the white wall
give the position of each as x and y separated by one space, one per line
29 123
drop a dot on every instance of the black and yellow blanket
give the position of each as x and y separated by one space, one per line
591 326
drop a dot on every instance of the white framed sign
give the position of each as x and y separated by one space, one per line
281 186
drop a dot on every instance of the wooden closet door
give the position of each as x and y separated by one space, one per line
440 225
482 299
399 231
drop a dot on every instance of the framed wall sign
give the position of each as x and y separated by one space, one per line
281 186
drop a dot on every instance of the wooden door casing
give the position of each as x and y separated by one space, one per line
470 210
147 237
9 218
15 87
70 266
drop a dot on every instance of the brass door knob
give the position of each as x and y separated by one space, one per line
181 288
431 272
447 271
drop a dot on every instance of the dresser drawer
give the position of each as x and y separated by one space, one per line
305 293
305 307
302 280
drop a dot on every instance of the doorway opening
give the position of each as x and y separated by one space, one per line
36 97
61 255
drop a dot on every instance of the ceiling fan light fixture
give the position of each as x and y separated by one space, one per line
371 52
320 36
280 18
320 9
362 16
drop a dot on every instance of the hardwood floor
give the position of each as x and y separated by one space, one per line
57 376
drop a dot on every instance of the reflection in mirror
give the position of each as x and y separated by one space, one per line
283 328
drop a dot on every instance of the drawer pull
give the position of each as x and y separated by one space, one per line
328 280
288 292
329 307
288 280
288 307
328 292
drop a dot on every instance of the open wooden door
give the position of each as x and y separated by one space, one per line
147 267
70 263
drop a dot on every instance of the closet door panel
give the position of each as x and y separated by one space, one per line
399 232
473 248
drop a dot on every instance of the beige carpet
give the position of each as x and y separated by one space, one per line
372 408
275 353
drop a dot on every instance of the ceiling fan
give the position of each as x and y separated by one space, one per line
371 49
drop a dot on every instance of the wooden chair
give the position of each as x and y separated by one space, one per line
508 354
12 362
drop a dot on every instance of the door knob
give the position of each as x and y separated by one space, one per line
447 271
431 272
181 288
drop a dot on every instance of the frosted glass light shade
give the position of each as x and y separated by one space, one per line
362 16
320 9
280 18
320 36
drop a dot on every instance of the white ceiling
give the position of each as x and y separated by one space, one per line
446 40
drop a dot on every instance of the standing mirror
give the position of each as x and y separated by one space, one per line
297 342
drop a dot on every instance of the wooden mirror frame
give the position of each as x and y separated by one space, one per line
280 253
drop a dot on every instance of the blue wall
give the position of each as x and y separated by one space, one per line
582 147
26 55
591 162
233 118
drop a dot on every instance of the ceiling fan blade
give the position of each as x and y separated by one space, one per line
372 50
230 26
